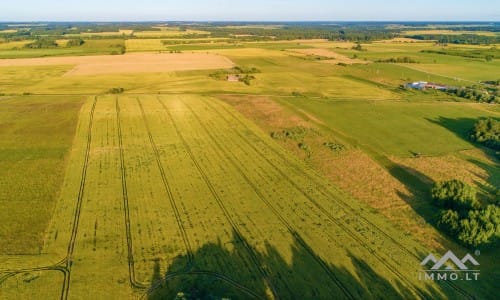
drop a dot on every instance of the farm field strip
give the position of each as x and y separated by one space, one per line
374 228
238 237
306 213
143 176
190 218
45 263
99 248
297 238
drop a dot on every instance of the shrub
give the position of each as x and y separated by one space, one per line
480 227
75 42
487 132
117 90
454 194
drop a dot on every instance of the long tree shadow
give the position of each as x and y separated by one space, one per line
276 276
461 127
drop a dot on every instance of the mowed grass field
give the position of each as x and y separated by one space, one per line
400 128
167 190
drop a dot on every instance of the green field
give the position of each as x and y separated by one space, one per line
182 182
35 136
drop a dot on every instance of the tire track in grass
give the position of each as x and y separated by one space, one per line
130 248
187 245
282 219
65 264
68 260
219 201
329 194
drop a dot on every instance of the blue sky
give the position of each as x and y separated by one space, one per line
249 10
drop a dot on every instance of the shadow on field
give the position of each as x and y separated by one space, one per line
222 272
461 128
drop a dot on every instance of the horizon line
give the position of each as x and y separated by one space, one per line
250 21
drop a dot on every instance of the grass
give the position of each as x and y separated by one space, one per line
399 128
33 155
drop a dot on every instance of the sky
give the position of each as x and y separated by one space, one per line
249 10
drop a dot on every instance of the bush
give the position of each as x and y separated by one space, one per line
480 227
75 42
487 132
42 44
454 194
118 90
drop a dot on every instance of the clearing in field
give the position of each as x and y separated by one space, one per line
129 63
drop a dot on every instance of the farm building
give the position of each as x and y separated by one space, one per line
422 85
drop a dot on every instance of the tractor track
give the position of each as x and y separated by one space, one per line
64 265
71 246
328 194
320 208
219 201
130 256
187 245
290 229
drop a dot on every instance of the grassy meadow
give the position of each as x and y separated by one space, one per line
311 181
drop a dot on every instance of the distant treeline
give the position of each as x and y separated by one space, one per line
468 39
487 54
308 32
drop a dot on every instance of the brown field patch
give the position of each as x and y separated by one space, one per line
470 166
336 58
128 63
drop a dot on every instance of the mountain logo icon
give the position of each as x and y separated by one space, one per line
449 261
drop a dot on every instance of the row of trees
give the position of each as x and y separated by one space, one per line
462 215
468 39
476 94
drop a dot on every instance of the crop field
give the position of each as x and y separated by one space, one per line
268 214
132 63
148 174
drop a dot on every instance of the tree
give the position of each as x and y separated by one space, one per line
75 42
449 220
480 227
454 194
487 132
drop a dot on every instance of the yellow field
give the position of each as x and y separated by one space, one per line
12 45
169 33
129 63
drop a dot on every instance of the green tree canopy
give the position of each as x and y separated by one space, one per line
454 194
